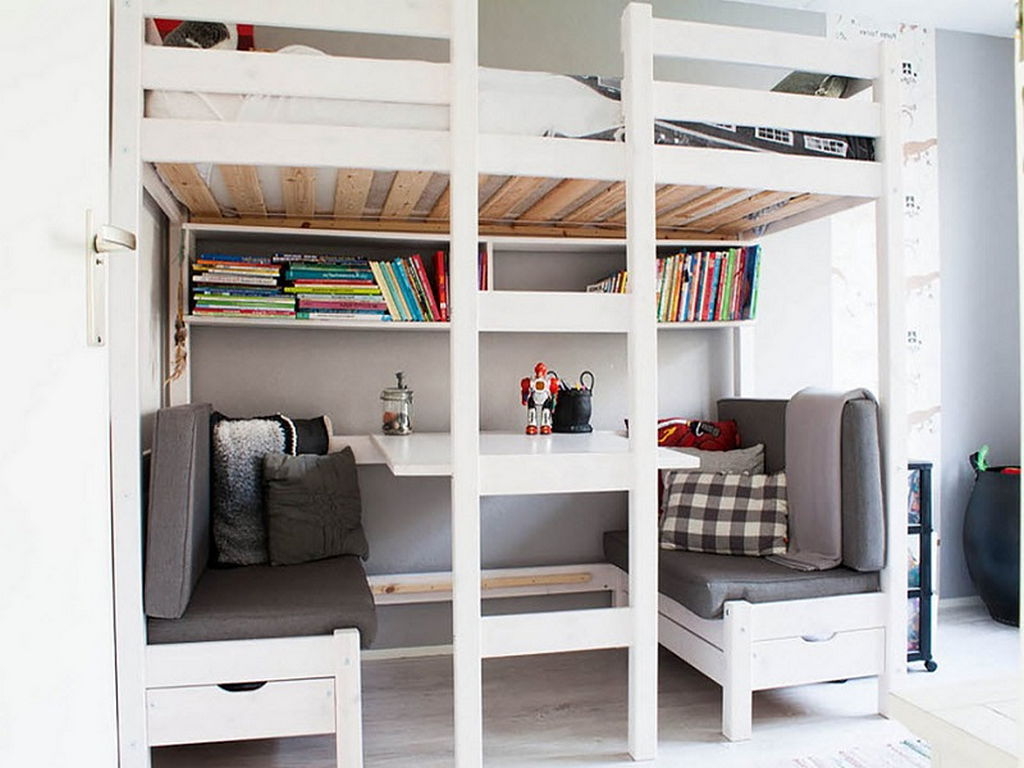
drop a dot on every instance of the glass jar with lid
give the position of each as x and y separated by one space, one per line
396 408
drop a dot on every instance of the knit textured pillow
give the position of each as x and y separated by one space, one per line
726 514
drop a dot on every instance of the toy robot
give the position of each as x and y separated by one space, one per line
538 395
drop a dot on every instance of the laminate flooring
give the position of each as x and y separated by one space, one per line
569 710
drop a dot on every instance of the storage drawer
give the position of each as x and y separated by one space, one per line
211 713
798 660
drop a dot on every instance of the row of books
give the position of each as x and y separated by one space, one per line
700 285
709 285
320 287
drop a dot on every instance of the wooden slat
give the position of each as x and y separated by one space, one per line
243 185
404 194
559 199
299 191
703 205
189 187
511 193
442 208
600 206
350 192
735 213
668 198
795 205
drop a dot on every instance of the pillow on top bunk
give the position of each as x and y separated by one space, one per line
238 448
313 505
726 514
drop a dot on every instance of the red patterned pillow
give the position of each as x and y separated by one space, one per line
696 433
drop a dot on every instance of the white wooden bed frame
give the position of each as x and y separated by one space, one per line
734 651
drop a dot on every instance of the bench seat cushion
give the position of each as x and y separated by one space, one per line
704 582
260 601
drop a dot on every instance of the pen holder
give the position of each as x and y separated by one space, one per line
573 408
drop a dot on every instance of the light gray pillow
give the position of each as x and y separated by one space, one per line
742 461
313 507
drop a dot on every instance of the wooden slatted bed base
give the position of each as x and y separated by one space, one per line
418 201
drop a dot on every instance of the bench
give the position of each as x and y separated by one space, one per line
248 652
751 624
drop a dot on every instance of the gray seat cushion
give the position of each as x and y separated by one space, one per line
178 520
704 583
260 601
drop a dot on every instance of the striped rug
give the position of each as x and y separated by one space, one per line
909 753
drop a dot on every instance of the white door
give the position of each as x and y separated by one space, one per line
57 705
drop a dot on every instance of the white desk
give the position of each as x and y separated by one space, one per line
973 724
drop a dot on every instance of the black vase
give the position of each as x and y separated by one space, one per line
992 542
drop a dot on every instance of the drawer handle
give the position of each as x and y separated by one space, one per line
822 638
242 687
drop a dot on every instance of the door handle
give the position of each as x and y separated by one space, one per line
99 242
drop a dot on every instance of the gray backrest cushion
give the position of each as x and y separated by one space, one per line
759 421
178 522
863 508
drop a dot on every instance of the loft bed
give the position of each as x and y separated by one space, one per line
400 179
196 95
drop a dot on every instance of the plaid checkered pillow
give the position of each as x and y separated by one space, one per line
726 514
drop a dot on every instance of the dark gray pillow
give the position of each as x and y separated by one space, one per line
313 507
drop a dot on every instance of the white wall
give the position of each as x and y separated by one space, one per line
980 371
153 353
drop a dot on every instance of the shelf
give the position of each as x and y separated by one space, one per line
701 325
553 312
514 463
293 323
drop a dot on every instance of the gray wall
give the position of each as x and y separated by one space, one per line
980 358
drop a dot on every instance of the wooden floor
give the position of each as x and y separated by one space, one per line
570 710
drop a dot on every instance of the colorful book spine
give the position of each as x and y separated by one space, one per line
441 275
421 272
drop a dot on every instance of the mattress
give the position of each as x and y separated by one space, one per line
511 102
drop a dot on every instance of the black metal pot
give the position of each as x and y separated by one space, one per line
573 408
992 542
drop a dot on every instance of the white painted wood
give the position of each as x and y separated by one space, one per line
892 342
464 357
818 617
553 312
708 659
171 665
767 170
507 475
429 453
209 713
440 239
744 362
125 387
710 630
642 356
712 104
504 243
306 325
165 199
737 684
551 157
363 448
347 699
760 47
283 74
292 144
413 18
810 659
704 325
522 634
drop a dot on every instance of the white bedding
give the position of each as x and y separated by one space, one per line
511 102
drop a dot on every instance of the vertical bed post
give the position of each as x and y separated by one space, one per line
642 351
125 415
892 369
465 389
